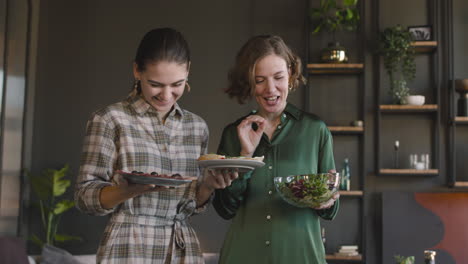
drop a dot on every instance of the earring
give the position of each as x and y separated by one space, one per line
135 84
290 87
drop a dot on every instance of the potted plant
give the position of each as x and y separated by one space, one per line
404 260
333 16
398 58
48 188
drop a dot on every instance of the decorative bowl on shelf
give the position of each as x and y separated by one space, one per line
415 99
309 190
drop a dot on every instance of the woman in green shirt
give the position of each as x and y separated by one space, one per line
264 228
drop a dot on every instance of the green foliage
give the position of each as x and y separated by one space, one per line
49 187
398 55
332 17
404 260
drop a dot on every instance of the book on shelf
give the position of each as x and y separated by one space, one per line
350 254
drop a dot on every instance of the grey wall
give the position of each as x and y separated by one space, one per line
460 43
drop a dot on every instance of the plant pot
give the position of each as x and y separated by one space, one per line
413 100
334 53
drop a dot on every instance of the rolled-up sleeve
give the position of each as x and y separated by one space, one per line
326 163
97 160
228 200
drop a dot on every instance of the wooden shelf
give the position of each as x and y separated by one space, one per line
432 172
461 184
335 68
409 108
461 120
424 46
346 129
354 258
351 193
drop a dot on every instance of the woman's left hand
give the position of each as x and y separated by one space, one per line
212 180
329 203
219 178
332 200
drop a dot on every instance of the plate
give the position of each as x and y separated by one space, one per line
161 181
240 164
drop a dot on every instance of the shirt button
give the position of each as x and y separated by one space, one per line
267 243
270 192
268 217
270 167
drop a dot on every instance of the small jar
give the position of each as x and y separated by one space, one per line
429 257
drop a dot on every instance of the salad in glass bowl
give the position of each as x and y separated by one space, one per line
308 190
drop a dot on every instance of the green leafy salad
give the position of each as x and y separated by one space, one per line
309 190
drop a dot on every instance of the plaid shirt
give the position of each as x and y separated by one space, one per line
130 136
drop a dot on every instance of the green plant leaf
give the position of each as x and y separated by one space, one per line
349 14
335 17
350 2
63 206
37 241
63 238
41 185
60 185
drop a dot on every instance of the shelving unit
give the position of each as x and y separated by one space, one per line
430 172
409 108
457 125
350 258
326 80
351 193
422 48
461 120
335 68
425 46
346 129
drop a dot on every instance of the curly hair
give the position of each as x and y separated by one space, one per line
242 76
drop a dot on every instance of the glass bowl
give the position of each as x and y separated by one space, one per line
309 190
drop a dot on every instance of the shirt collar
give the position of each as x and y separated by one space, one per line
290 110
141 106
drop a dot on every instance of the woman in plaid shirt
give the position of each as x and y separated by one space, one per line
148 131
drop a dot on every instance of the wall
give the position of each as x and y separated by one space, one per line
460 67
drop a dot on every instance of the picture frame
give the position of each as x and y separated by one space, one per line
421 33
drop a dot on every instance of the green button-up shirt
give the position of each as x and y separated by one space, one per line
265 229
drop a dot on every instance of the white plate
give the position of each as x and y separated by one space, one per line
241 164
142 179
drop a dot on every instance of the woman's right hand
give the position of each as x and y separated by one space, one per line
113 195
248 137
135 189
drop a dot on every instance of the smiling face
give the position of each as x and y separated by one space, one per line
271 85
162 84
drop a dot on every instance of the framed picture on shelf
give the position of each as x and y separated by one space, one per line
421 33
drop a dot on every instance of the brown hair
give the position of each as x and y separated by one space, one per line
242 76
161 44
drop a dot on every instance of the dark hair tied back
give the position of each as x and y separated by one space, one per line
162 44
